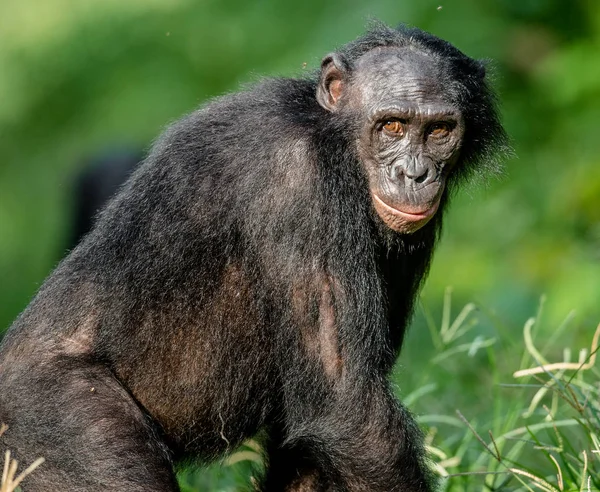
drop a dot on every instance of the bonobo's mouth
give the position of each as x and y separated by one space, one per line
405 221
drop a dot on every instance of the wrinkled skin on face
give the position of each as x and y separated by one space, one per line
410 132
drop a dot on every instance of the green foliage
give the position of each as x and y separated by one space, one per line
533 429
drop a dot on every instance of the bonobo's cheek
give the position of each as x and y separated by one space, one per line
403 221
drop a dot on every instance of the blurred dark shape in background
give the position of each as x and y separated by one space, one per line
101 177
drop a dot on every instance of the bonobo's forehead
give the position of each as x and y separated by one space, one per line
391 75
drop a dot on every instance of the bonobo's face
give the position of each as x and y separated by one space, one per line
410 133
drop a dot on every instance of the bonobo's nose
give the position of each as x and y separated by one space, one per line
416 169
418 175
413 169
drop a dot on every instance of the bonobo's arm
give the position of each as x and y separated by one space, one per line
374 446
344 429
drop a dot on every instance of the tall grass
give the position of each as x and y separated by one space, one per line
542 432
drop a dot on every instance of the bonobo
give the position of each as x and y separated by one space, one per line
256 273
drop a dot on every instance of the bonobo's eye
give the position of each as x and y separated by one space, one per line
439 130
394 128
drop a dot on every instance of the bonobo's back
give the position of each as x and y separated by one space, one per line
180 217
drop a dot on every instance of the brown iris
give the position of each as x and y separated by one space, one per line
394 127
439 130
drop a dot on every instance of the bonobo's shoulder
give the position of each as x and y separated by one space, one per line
269 94
267 100
252 110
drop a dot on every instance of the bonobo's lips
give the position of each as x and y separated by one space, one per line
404 221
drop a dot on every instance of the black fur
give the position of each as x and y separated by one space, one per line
240 281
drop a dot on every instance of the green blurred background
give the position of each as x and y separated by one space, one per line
77 76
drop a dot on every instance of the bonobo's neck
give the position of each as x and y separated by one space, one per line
404 266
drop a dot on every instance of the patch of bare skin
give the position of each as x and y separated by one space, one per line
321 343
48 344
82 341
305 483
328 335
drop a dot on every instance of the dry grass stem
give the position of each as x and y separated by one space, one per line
576 366
9 482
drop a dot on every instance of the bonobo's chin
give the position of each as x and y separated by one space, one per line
404 221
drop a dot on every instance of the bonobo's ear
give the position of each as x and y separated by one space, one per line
334 71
